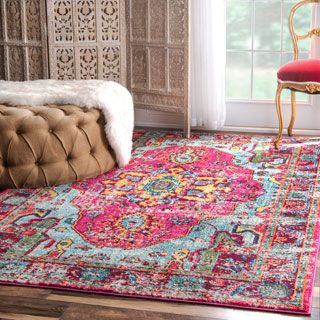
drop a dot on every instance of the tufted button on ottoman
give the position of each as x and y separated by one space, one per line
50 145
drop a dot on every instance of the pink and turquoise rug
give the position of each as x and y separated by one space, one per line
219 219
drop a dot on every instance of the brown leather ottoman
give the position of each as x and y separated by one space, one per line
50 145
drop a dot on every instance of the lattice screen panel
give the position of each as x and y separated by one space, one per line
158 55
87 39
23 49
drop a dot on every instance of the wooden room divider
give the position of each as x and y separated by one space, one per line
23 40
142 44
87 39
158 55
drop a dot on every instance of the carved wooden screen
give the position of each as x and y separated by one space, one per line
87 39
158 55
23 41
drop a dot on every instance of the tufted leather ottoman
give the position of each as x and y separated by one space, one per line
50 145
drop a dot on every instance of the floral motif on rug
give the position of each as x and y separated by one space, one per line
219 219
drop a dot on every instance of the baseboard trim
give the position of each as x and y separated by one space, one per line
150 124
312 132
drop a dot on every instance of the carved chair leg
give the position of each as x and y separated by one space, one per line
279 111
293 112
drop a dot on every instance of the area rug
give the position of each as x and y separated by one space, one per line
221 219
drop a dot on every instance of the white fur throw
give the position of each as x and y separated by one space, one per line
113 99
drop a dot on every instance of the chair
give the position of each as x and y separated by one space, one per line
299 75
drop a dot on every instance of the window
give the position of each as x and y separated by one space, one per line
258 42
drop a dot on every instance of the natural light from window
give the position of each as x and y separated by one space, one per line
258 42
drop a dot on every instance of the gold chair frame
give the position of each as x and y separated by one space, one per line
309 88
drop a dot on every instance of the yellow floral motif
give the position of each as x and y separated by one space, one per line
162 186
177 261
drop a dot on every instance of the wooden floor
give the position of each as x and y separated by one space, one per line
20 303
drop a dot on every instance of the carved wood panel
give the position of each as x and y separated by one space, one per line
87 39
158 55
23 40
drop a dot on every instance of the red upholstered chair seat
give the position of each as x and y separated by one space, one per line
300 71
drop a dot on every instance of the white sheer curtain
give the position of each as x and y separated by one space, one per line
208 52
